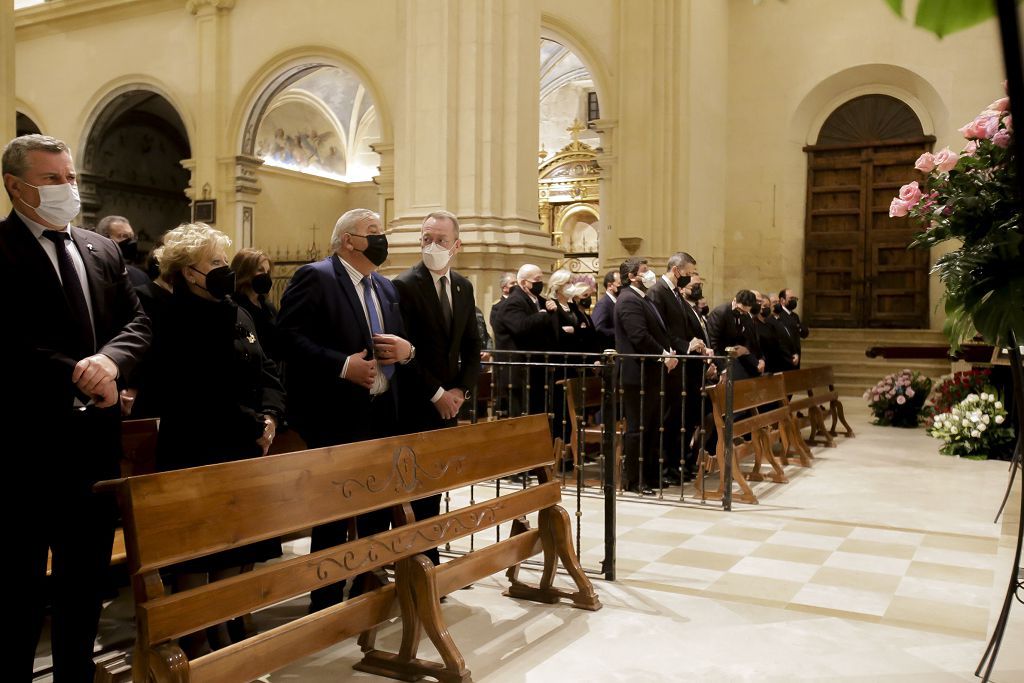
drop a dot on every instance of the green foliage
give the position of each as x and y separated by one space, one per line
943 17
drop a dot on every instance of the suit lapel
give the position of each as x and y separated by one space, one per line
35 264
460 316
93 268
431 300
349 291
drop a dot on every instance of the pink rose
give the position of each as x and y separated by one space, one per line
1008 122
898 208
925 163
946 159
1001 139
1002 104
910 393
970 148
901 400
981 128
991 124
911 193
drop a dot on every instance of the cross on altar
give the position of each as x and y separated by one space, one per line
575 129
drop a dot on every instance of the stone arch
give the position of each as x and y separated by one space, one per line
574 228
285 69
28 119
867 79
560 31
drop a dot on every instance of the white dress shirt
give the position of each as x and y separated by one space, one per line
437 292
51 252
380 382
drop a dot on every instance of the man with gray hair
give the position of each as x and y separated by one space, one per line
120 231
527 325
341 335
76 328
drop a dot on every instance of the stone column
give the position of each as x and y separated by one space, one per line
466 134
7 111
213 161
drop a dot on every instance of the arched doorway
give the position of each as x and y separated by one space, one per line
858 271
569 178
24 125
131 165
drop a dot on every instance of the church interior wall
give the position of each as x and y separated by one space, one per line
776 57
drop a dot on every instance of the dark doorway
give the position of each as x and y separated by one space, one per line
23 125
131 166
858 271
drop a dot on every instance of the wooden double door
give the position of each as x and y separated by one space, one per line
858 270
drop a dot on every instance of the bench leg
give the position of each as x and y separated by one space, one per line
163 664
793 443
836 408
420 603
745 494
556 541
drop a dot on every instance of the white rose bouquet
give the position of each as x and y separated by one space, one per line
975 428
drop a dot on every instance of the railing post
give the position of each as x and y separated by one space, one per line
730 365
609 469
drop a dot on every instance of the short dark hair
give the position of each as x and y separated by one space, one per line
746 297
609 278
630 266
680 258
782 292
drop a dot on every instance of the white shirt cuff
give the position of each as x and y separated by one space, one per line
437 395
344 369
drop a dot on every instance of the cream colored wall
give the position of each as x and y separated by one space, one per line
7 72
290 205
784 79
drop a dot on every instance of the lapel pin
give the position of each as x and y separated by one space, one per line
458 288
88 245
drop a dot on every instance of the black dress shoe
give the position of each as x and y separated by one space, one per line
644 490
670 479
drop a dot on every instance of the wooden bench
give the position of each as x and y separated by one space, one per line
813 391
583 399
766 418
175 516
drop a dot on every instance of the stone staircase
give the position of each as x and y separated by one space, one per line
843 349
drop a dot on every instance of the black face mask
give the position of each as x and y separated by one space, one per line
755 310
777 308
683 280
219 281
536 288
696 293
262 283
705 309
376 251
791 304
585 303
129 250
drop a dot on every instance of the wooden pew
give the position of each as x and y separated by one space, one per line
813 390
766 415
579 400
175 516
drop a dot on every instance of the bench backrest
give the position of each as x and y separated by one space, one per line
809 379
765 396
174 516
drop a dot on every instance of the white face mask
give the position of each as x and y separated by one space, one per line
436 257
58 204
648 279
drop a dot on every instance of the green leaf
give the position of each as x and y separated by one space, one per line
896 6
943 17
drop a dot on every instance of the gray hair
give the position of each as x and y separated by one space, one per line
526 270
15 156
444 214
678 260
348 222
558 279
103 227
506 278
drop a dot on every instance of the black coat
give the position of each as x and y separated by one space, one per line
670 306
775 359
639 329
604 321
796 327
264 316
154 299
526 326
728 327
445 358
215 383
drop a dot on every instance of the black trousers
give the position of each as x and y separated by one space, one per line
63 460
636 415
378 419
672 419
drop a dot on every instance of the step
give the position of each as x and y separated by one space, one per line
878 336
875 368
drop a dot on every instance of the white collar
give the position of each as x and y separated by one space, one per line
38 229
639 291
671 285
447 273
356 276
610 296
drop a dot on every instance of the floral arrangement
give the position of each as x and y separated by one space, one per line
955 388
968 196
898 398
975 428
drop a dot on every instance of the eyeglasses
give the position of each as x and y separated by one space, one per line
444 243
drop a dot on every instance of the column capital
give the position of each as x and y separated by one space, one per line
246 181
197 7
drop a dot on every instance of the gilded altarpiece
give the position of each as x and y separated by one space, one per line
569 203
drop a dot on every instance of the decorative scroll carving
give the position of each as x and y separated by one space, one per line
405 475
377 552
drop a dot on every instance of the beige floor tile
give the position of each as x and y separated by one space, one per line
806 540
677 575
654 537
941 615
903 552
763 590
887 536
944 591
951 573
955 557
735 531
792 553
699 558
851 578
677 525
967 544
819 528
843 599
775 569
868 563
721 544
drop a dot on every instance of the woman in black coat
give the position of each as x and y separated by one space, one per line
220 397
253 271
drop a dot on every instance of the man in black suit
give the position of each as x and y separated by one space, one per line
667 299
500 378
604 310
727 326
772 336
791 319
341 333
696 376
76 328
640 329
527 325
439 312
120 231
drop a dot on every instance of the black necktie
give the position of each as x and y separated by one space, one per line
73 291
446 306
